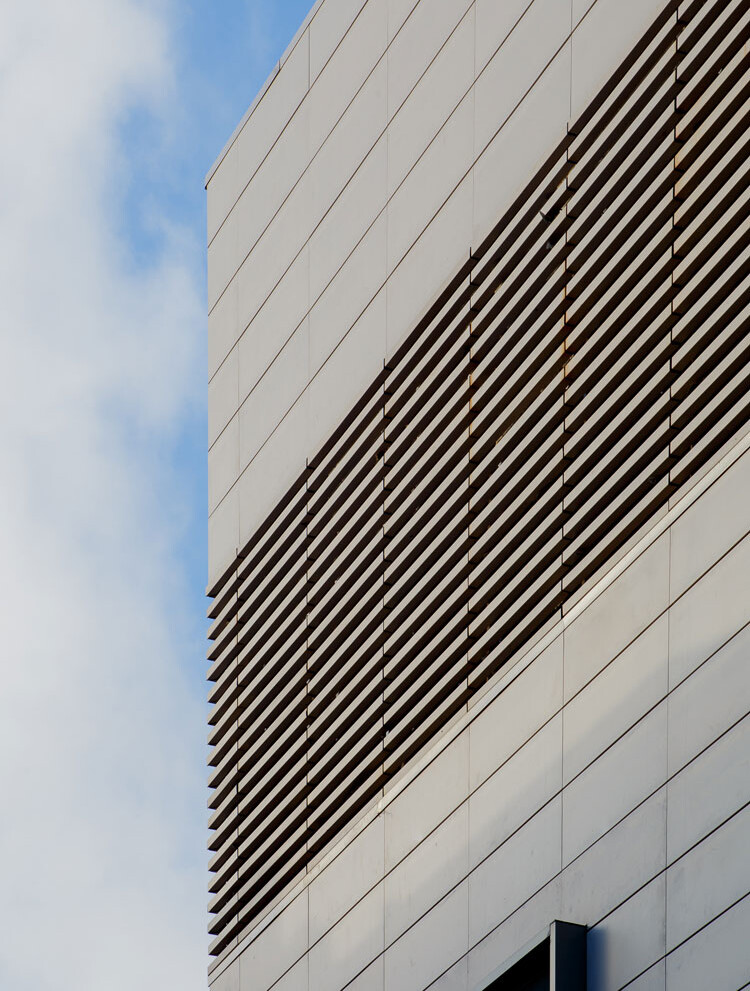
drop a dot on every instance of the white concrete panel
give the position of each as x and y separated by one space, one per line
522 865
617 616
221 192
709 613
616 866
523 925
349 370
713 524
273 182
709 790
347 223
329 25
223 328
433 99
718 957
274 468
455 979
708 879
430 947
495 21
278 318
350 946
430 265
295 978
346 148
602 39
228 980
520 147
710 701
430 798
223 464
630 940
398 11
222 259
427 873
516 791
346 70
615 783
223 534
371 979
514 69
223 395
347 297
275 394
279 246
417 43
609 705
655 979
356 870
279 946
275 108
528 702
430 183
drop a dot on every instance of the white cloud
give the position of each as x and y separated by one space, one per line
101 728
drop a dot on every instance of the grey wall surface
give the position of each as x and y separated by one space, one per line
387 143
604 779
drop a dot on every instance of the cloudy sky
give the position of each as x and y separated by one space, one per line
111 112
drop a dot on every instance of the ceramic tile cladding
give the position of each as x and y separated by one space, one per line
347 69
515 871
529 701
614 619
605 31
329 26
428 873
503 942
426 31
708 879
618 864
347 370
271 114
630 940
518 63
357 869
710 527
431 946
504 165
437 791
431 182
495 22
346 148
228 979
517 790
350 946
710 700
431 263
420 116
717 956
616 782
709 790
631 684
277 948
709 613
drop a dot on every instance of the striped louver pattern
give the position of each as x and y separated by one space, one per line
589 358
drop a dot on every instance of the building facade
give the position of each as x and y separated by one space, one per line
479 502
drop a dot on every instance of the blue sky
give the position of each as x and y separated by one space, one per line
112 111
